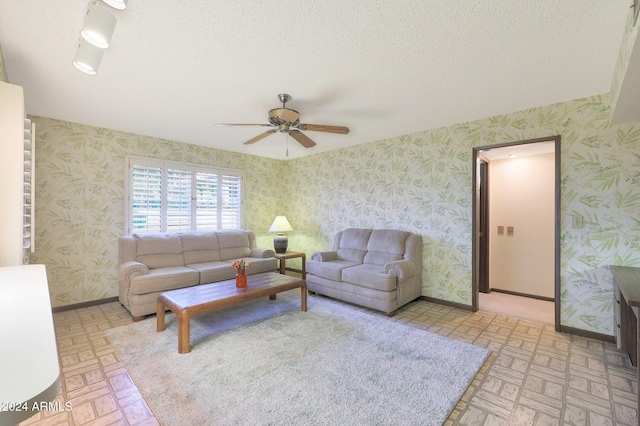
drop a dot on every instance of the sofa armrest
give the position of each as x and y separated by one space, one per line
403 269
131 269
324 256
262 253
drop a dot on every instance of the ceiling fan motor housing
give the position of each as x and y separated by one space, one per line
279 116
287 120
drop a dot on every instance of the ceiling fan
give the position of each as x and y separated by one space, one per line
287 120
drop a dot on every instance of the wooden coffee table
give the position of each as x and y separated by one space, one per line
189 301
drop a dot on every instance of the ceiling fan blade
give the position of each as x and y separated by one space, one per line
239 124
322 128
260 136
302 138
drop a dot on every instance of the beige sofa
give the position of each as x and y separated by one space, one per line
378 269
152 263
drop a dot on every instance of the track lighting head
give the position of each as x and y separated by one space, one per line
98 26
117 4
87 57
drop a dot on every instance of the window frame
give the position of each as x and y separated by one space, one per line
193 169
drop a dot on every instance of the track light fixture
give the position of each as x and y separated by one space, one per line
98 26
87 57
95 34
117 4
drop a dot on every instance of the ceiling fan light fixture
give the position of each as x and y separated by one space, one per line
98 27
117 4
287 120
88 58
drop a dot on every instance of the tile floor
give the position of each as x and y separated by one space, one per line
535 376
517 306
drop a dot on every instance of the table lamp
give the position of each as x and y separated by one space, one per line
280 225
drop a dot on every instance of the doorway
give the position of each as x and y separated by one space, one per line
520 250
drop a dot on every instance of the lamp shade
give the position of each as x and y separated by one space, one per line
98 26
117 4
87 58
280 224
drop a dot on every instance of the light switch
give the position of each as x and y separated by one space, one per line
576 221
510 231
500 230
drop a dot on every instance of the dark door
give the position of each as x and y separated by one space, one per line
483 229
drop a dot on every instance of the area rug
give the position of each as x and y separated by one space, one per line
268 363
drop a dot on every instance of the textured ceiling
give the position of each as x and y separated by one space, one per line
382 68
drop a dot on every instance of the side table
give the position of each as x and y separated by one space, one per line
282 257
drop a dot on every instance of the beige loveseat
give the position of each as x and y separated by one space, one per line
378 269
152 263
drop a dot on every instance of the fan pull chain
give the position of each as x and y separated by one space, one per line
287 144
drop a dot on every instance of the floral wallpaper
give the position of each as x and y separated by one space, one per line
422 183
419 182
80 208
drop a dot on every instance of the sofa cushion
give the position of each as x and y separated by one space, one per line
200 247
233 244
201 256
380 259
157 243
388 241
159 250
163 279
385 245
161 260
260 264
352 244
370 276
385 301
329 270
211 272
199 240
214 271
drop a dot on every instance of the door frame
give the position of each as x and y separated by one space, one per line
483 225
475 247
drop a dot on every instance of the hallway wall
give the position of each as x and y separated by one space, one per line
521 194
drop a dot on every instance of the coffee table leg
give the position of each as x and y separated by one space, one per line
160 323
303 299
184 342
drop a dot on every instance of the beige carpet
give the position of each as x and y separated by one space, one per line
266 362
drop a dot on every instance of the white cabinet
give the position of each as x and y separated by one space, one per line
30 368
16 178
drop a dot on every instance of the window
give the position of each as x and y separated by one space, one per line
166 196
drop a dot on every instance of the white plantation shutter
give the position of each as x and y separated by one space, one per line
231 195
172 197
178 200
206 201
146 198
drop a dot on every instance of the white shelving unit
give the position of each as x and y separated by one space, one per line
28 190
16 177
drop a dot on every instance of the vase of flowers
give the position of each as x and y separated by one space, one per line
241 272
